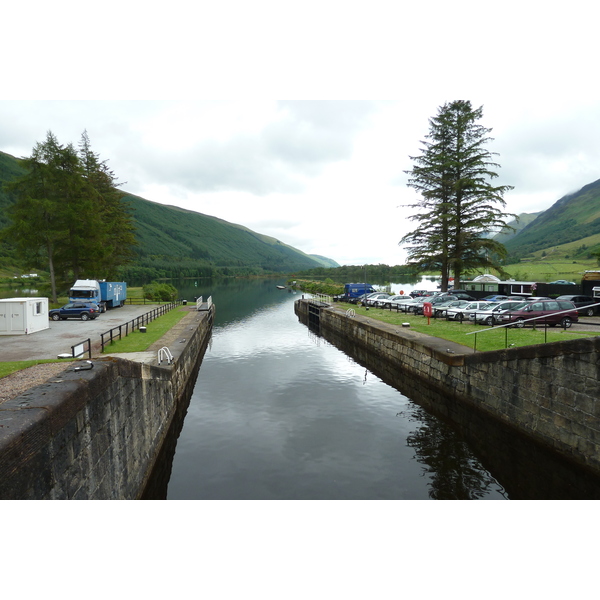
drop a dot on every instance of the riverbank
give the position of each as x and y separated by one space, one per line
549 393
96 432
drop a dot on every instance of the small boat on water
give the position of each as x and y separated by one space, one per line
281 287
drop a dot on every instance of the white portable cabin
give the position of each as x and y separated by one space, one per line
20 316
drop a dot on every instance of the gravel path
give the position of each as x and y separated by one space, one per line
16 383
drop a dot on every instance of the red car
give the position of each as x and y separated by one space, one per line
550 312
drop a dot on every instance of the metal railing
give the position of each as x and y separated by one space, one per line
200 302
164 354
321 298
506 326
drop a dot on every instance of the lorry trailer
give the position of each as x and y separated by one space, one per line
106 294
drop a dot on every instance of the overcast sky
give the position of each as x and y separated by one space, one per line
323 172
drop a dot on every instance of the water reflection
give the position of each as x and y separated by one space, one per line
456 474
279 413
522 468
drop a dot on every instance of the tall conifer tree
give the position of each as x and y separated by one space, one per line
69 212
458 205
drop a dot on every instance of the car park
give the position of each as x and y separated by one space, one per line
492 316
75 310
582 304
542 312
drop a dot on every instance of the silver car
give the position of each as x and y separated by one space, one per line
492 316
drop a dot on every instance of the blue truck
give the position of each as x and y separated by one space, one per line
106 294
353 291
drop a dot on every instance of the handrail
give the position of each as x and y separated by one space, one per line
138 322
512 323
164 351
322 298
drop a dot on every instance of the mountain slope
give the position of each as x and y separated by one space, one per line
170 237
573 217
170 232
518 225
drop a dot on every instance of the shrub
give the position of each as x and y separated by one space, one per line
160 292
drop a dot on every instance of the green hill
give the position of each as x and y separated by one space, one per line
176 242
572 218
517 224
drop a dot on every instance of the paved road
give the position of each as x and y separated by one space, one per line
64 334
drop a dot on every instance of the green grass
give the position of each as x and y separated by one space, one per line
6 368
495 339
139 342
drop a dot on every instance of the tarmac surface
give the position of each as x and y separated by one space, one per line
62 335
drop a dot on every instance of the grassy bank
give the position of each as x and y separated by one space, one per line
140 342
494 339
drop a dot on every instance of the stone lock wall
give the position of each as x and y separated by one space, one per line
96 434
548 392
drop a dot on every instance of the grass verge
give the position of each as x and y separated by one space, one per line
495 339
139 342
6 368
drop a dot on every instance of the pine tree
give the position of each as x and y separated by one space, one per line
116 228
37 216
69 212
458 205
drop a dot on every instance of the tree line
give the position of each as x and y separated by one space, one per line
69 214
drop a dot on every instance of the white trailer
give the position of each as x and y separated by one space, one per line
21 316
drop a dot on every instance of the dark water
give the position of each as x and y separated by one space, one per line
279 413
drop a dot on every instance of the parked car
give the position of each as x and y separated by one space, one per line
458 314
377 299
75 310
492 316
495 298
435 300
406 304
393 301
562 282
439 310
362 299
582 304
416 307
550 312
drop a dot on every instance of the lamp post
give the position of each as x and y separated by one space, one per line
365 301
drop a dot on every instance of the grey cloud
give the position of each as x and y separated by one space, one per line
550 153
297 145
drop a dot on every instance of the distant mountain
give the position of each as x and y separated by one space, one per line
325 262
573 217
517 224
184 242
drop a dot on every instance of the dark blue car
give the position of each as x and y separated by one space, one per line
75 310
